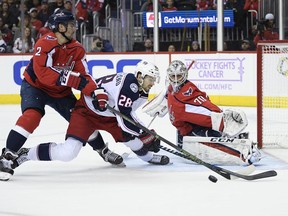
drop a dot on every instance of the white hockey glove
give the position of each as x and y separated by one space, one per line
157 106
234 121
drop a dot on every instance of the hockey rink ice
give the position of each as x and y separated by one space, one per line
87 186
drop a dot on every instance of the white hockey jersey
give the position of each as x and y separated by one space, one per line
124 95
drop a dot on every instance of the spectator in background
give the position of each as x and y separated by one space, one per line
171 48
81 13
36 4
251 5
27 44
43 14
148 45
148 6
204 4
169 6
57 4
6 34
100 45
3 46
195 47
245 45
8 18
13 7
96 7
266 29
36 23
68 6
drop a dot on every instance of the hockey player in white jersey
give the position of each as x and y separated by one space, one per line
123 91
197 119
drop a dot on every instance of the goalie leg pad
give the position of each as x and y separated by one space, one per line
216 153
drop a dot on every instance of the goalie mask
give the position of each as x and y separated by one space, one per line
177 74
143 69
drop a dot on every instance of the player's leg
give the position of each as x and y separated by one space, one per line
143 151
64 106
32 105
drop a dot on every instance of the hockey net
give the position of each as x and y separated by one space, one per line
272 94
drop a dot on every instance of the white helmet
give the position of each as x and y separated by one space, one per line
147 69
177 73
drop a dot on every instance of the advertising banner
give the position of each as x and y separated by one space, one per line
188 19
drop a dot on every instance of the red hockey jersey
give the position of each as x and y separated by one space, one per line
49 58
189 106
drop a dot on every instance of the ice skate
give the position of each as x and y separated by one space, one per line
22 157
159 160
5 164
110 156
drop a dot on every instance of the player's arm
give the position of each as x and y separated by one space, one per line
76 75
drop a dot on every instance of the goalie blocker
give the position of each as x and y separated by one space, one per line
222 150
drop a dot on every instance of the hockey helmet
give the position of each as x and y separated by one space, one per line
177 73
147 69
60 16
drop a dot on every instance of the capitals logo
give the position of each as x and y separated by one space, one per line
188 92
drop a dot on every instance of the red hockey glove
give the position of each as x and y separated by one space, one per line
150 142
100 99
72 79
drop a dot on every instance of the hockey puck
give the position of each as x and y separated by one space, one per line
212 178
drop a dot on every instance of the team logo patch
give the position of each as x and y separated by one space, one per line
188 92
134 87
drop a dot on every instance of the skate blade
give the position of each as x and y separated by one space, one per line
121 165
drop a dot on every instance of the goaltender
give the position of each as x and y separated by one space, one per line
194 115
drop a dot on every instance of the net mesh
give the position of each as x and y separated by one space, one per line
274 95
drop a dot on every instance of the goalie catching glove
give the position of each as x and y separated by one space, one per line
157 106
100 99
150 143
231 122
72 79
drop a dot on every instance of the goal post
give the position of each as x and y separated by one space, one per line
272 94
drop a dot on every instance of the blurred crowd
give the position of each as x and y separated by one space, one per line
37 12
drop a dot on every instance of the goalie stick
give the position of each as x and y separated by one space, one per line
219 170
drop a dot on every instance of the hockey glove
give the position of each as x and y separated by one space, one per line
100 99
72 79
150 142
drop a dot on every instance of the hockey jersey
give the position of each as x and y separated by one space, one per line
50 58
124 95
189 106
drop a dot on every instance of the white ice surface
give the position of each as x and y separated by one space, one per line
89 186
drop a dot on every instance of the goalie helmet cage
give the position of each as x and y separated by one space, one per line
272 94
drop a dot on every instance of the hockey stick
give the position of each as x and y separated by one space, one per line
221 171
245 171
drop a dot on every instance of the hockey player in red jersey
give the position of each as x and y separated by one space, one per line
58 65
193 114
125 92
